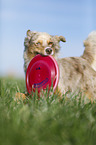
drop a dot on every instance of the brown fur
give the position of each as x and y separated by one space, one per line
76 73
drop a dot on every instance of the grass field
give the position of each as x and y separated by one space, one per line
47 121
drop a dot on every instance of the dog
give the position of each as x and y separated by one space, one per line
77 74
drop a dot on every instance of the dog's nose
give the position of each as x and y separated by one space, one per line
49 51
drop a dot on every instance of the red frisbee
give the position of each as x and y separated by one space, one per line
42 72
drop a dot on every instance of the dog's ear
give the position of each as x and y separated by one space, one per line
28 33
60 38
31 33
28 38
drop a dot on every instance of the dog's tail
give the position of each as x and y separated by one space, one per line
90 49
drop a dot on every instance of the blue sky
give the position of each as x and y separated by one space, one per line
74 19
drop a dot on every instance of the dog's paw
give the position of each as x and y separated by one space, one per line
19 96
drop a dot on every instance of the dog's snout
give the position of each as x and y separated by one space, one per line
48 50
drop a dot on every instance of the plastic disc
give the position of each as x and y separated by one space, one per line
42 72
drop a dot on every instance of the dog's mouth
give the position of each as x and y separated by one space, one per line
47 51
36 52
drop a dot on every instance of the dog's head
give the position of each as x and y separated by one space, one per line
42 43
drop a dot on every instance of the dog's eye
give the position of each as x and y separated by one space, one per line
38 43
50 44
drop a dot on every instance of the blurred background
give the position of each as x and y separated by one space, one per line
71 18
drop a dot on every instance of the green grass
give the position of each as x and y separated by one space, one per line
47 121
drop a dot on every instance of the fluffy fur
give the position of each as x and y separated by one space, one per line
90 49
76 73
